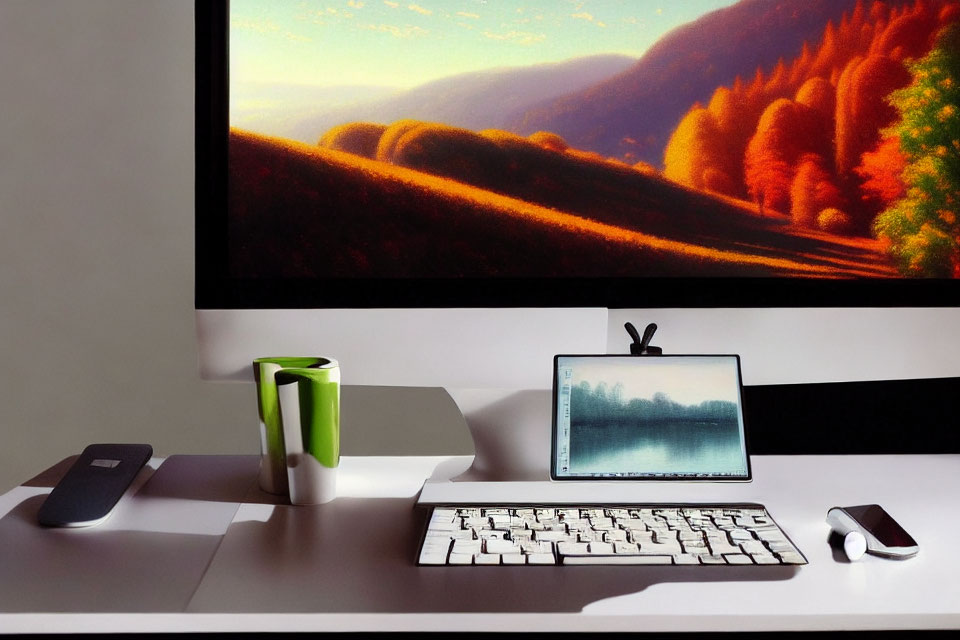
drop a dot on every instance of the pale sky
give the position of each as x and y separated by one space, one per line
401 43
688 381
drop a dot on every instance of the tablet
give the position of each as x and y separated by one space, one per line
677 417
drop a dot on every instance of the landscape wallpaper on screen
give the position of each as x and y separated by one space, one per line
674 416
592 138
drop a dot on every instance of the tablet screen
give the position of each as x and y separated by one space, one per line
648 418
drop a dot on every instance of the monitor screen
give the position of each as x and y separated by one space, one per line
615 154
648 418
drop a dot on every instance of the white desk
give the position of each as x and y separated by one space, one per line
197 546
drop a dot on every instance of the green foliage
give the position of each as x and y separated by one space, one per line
922 227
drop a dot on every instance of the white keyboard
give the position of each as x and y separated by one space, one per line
618 535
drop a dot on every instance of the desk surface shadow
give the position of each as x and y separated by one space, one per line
140 559
335 558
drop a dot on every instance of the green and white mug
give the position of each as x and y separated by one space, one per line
299 426
310 414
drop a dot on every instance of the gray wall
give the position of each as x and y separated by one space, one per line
96 239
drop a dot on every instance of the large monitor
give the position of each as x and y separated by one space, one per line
450 193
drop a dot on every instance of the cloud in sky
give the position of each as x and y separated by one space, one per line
584 15
395 31
419 9
265 27
356 4
518 37
391 4
257 26
467 14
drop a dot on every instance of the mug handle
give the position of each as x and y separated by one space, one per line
309 402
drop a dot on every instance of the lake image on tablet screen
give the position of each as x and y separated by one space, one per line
675 418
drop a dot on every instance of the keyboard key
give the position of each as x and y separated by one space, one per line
460 558
466 547
536 547
739 535
791 557
654 549
753 547
640 536
445 525
603 548
573 548
487 558
617 559
541 558
434 552
661 537
602 523
719 545
492 534
615 535
553 536
501 546
737 558
771 535
460 534
765 558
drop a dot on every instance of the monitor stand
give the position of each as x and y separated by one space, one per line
511 433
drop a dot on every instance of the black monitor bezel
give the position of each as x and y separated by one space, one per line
216 288
555 475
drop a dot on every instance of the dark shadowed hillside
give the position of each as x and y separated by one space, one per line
479 100
300 210
633 114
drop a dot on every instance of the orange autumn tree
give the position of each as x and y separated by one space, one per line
881 170
787 130
861 106
696 156
845 79
812 191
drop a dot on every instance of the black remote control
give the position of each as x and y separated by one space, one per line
87 494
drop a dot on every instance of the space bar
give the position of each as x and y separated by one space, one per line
616 559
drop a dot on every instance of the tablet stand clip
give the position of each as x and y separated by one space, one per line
641 346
